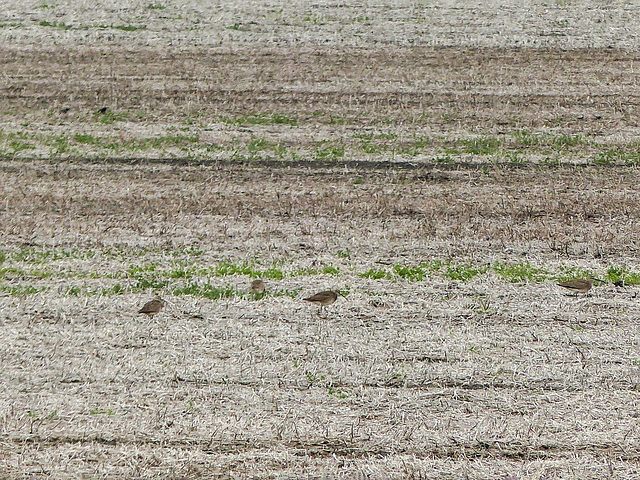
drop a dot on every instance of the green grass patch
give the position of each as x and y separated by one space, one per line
413 274
480 146
622 274
376 274
206 290
108 117
21 290
271 272
415 147
328 152
60 25
58 143
463 272
116 289
371 147
20 145
36 256
261 119
102 411
129 28
520 272
226 268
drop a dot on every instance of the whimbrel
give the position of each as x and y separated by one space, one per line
152 307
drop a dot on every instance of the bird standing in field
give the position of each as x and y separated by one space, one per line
152 307
578 285
257 287
323 298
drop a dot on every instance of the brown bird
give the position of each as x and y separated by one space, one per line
578 285
323 298
257 287
152 307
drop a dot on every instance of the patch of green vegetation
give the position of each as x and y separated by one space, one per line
206 290
155 6
182 273
59 143
256 145
12 272
102 411
316 20
379 136
226 268
108 117
407 272
328 152
261 119
35 256
114 143
514 157
116 289
442 159
523 138
129 28
338 393
376 274
630 154
74 291
526 139
520 272
346 253
567 140
146 277
313 378
63 26
138 269
337 120
371 148
622 274
19 145
307 271
413 274
192 251
480 146
294 293
21 290
148 282
463 272
271 272
415 147
327 270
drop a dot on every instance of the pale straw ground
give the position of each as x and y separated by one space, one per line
442 165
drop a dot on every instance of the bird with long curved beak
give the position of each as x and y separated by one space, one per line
579 285
324 299
152 307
